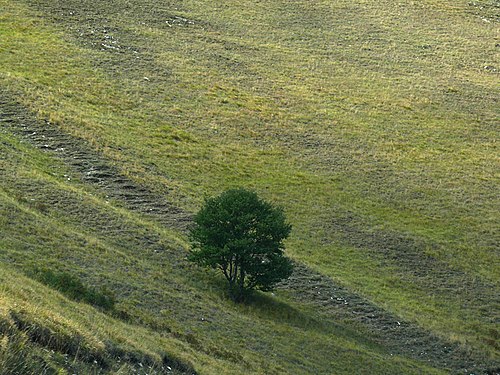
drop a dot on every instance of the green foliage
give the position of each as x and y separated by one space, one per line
242 235
72 287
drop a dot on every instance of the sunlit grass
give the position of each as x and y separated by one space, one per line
383 112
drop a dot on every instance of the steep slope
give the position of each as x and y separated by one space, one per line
57 216
373 125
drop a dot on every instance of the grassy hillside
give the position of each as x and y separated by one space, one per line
375 125
167 312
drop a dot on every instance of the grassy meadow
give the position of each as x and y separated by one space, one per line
374 124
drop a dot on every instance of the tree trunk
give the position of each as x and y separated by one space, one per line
241 286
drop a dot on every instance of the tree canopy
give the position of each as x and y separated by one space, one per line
242 235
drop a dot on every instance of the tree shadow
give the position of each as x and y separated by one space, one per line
272 308
269 307
281 310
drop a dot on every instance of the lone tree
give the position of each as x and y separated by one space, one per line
242 235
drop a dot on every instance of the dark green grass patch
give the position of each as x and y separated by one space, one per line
71 286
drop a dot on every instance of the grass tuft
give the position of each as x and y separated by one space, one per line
71 286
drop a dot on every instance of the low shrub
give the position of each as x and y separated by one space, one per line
71 286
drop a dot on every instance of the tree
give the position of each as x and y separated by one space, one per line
242 235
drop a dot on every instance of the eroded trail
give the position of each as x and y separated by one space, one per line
90 166
401 337
333 302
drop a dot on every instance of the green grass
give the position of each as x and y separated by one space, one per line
374 125
72 287
159 295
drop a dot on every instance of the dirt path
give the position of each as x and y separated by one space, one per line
333 301
400 337
90 165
